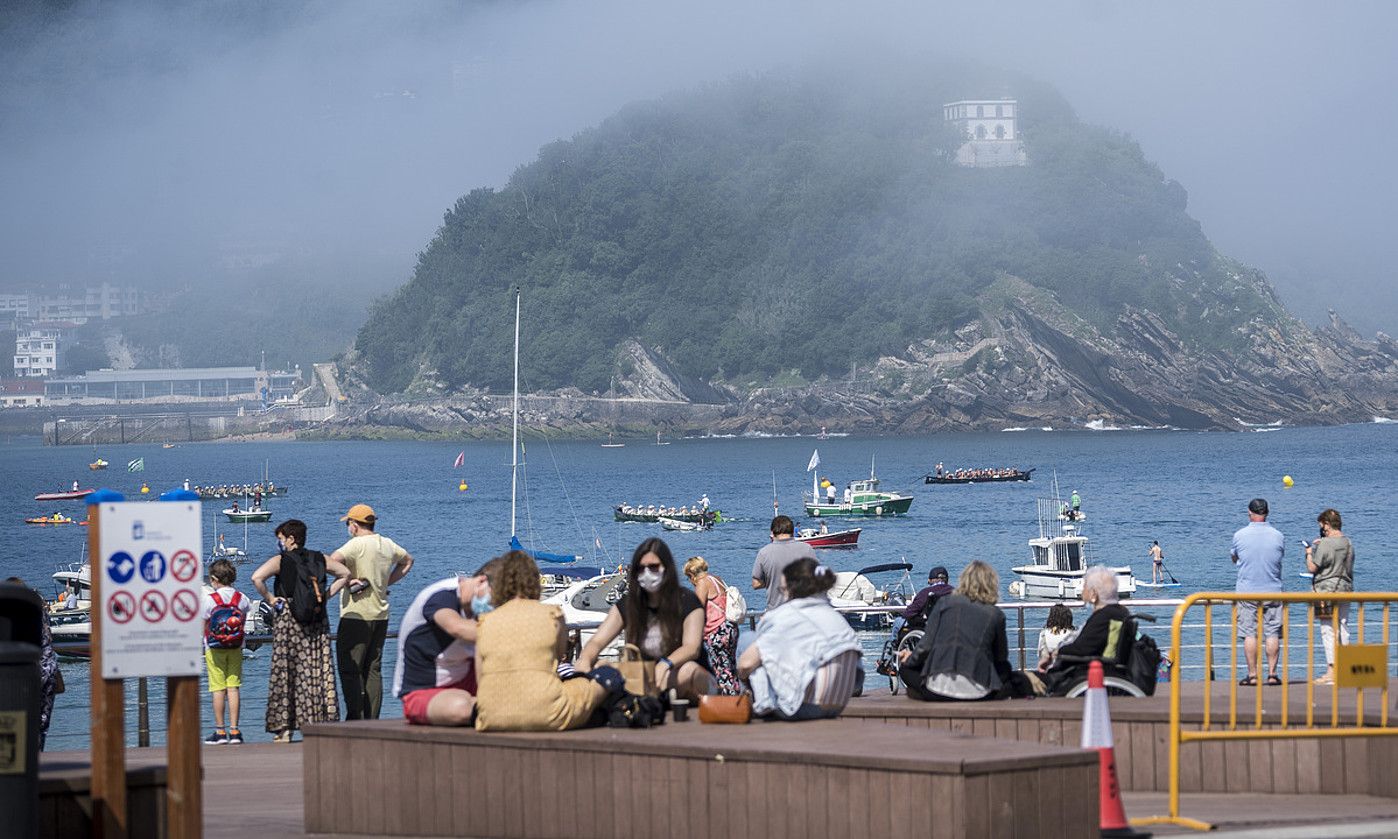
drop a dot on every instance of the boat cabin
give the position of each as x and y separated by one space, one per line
1061 553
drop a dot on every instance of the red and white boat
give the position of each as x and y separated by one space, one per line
832 539
64 495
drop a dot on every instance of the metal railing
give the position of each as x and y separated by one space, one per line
1351 671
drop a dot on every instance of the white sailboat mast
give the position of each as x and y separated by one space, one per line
514 444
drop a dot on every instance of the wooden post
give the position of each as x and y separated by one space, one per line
184 792
108 710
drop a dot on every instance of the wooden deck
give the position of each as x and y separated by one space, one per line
766 781
1309 765
255 790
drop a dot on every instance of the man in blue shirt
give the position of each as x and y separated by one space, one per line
1257 551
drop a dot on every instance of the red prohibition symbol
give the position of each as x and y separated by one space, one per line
121 607
184 566
153 606
184 605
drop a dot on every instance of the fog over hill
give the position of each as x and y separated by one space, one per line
300 147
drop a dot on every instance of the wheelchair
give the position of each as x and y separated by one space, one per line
1116 675
888 658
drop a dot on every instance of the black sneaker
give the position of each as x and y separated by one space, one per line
235 737
218 738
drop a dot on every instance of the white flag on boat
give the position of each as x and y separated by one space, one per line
815 460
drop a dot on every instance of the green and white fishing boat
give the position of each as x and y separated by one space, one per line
861 498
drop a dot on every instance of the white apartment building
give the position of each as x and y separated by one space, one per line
39 349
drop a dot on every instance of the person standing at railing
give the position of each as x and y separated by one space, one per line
1258 549
1330 559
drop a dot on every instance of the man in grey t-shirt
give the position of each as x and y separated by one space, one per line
773 559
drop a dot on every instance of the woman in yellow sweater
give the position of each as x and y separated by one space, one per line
518 646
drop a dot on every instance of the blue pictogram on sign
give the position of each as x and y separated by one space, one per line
120 567
153 566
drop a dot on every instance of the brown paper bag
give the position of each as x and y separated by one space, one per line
638 673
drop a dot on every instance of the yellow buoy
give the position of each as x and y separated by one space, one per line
462 486
1287 482
145 488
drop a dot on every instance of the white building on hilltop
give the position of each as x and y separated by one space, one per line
991 129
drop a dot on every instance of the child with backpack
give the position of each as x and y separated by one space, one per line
225 620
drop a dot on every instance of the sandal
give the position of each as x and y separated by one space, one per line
1248 681
1274 681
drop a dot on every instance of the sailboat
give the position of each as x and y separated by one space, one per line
611 443
515 545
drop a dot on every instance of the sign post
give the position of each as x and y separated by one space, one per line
147 562
108 732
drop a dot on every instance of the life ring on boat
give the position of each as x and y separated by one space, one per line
815 511
1017 588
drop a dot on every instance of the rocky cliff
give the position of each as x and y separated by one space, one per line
1030 361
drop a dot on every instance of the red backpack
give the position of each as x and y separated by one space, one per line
226 628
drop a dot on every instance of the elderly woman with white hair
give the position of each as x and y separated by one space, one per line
1106 633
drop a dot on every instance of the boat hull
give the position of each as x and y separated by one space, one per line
837 539
891 506
1040 582
64 496
1004 479
238 518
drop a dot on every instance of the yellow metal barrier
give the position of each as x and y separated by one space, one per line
1357 667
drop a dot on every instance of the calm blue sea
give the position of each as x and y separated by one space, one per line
1187 490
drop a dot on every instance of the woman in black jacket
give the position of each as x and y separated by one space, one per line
964 654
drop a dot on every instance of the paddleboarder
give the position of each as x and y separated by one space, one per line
1157 560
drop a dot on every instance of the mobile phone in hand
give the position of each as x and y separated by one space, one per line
1305 544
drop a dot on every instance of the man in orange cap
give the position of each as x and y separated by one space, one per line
375 563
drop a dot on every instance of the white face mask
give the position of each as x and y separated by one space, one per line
650 579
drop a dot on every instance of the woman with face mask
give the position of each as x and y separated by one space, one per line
660 617
519 645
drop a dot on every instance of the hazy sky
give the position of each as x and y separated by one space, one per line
173 142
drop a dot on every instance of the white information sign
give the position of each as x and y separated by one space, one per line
152 589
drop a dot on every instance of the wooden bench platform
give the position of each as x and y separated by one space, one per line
834 778
65 796
1141 729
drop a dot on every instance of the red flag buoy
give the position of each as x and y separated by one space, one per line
1097 734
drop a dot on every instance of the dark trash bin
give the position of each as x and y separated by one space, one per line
21 695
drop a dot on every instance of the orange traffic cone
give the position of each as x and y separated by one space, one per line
1097 734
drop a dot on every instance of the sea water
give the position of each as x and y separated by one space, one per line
1188 490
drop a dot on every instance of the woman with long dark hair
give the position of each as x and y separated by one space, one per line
661 618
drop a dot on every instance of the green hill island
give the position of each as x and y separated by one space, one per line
907 250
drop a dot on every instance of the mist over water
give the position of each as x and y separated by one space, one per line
172 144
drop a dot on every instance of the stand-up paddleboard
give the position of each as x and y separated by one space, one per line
1140 584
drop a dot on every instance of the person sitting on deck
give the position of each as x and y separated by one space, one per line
1058 629
519 644
662 619
964 653
1108 634
436 671
805 662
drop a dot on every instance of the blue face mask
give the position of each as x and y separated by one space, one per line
480 604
